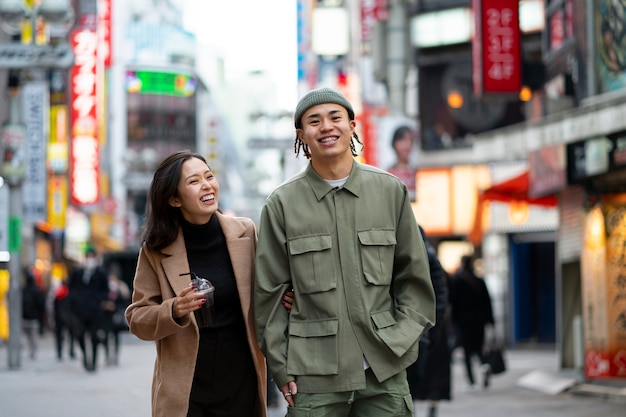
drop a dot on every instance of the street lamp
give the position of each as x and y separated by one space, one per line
13 170
330 39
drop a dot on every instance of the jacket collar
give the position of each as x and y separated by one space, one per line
321 188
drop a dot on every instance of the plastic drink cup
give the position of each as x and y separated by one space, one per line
205 315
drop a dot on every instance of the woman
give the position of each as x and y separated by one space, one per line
402 144
217 370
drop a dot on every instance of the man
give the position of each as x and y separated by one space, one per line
341 234
88 288
33 312
471 313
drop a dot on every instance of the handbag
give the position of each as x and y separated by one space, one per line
119 320
495 358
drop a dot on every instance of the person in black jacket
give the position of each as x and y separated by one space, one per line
33 311
60 301
471 312
89 289
429 376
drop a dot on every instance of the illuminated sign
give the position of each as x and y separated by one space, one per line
104 31
84 146
496 48
454 25
34 116
330 33
372 12
161 83
441 27
57 201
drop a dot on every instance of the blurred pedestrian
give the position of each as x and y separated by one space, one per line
342 235
61 313
471 312
429 376
33 312
88 289
402 144
115 321
199 371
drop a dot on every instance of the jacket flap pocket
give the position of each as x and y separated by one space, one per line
383 319
314 328
377 237
310 244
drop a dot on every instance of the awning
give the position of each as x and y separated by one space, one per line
513 190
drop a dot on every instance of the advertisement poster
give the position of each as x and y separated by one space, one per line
603 269
616 287
611 44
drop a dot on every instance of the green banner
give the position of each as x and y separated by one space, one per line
161 83
15 234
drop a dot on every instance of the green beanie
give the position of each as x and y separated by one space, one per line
321 96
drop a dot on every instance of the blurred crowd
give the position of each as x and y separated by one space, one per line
84 311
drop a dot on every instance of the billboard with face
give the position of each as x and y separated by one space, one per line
610 27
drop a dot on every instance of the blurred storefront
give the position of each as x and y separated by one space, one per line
535 94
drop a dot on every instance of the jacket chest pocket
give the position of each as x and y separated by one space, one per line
312 263
377 252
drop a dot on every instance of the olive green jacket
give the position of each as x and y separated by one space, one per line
358 266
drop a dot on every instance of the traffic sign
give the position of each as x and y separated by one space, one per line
20 56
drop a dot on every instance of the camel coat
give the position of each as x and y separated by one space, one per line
156 284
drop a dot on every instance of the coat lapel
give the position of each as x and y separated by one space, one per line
175 263
239 249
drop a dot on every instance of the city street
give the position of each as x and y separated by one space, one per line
47 387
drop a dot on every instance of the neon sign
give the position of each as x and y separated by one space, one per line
84 146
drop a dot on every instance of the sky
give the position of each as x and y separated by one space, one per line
250 35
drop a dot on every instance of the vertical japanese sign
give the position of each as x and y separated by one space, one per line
496 48
372 12
35 111
84 146
104 31
57 201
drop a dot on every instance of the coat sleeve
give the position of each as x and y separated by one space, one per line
150 315
439 279
272 278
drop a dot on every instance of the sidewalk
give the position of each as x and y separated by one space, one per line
531 386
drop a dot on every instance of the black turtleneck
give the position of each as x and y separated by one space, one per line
208 258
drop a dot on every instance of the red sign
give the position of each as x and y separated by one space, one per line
496 56
104 29
372 12
84 146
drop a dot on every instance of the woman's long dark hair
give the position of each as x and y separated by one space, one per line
163 220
